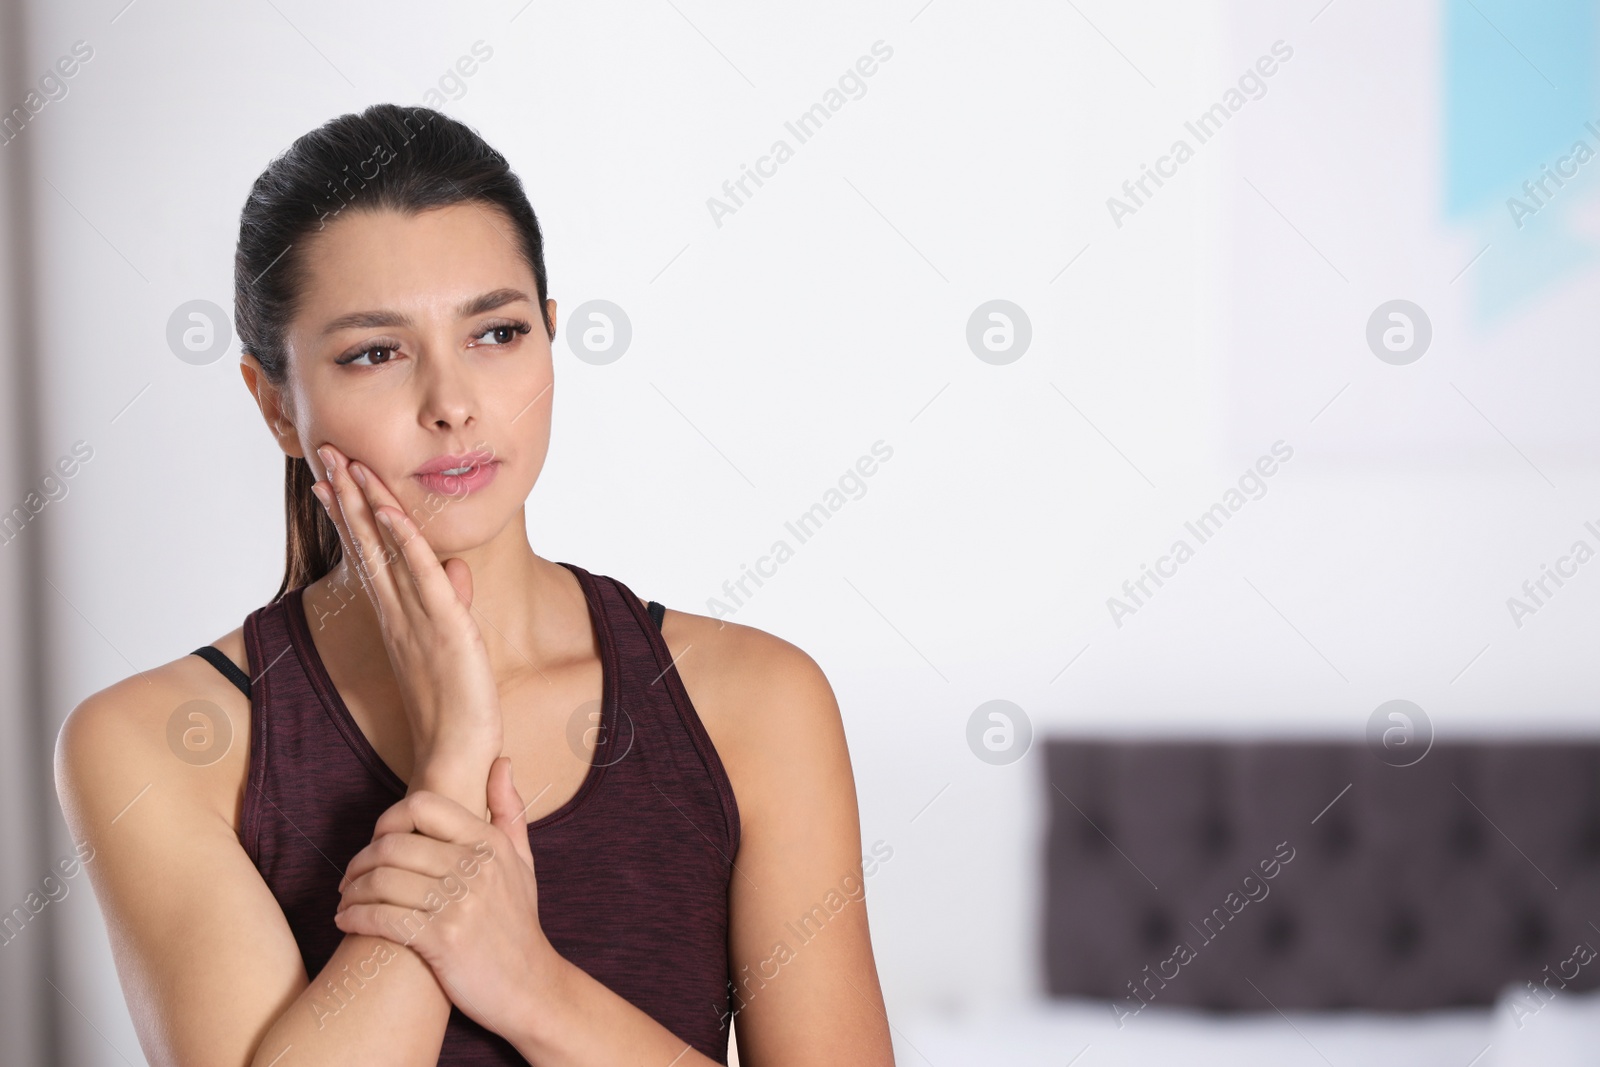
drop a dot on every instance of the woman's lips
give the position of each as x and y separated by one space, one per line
471 481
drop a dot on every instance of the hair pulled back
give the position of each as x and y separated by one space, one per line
388 157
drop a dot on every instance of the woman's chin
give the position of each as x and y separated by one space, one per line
453 535
456 524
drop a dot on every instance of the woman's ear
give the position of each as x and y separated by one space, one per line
550 314
271 402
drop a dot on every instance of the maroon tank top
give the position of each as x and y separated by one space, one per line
633 870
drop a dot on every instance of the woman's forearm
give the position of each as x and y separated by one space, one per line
576 1021
375 1001
568 1018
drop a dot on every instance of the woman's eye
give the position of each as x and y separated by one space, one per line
351 359
504 333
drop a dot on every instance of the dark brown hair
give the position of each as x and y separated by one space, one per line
388 157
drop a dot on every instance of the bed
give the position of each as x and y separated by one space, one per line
1289 902
1082 1033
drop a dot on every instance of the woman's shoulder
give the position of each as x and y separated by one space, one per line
766 704
727 655
188 912
180 726
725 658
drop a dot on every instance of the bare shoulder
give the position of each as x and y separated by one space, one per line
744 677
181 726
149 771
767 706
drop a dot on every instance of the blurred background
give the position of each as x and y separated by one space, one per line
988 263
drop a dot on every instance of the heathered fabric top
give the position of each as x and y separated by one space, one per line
633 870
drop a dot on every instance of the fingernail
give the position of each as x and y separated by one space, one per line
326 457
359 474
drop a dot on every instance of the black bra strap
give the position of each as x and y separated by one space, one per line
658 611
219 659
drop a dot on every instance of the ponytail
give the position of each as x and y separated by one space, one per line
313 547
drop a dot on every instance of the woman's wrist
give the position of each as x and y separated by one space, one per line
541 1027
461 777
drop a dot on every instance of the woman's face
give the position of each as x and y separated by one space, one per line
419 337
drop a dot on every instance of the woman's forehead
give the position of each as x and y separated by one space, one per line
428 264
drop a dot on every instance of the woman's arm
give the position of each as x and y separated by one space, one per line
376 997
806 984
811 1003
209 966
485 944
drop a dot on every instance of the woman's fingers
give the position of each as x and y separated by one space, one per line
456 570
506 809
408 889
361 530
400 925
413 852
400 573
330 491
427 575
433 814
428 578
375 497
461 577
330 503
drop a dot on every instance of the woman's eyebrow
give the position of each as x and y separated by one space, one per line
363 320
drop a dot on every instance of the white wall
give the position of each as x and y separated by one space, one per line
830 312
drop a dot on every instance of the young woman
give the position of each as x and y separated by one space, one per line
442 800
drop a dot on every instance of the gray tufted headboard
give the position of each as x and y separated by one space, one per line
1261 875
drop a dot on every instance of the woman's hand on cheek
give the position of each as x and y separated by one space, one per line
463 894
435 647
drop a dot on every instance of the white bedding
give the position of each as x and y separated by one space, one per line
1083 1033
